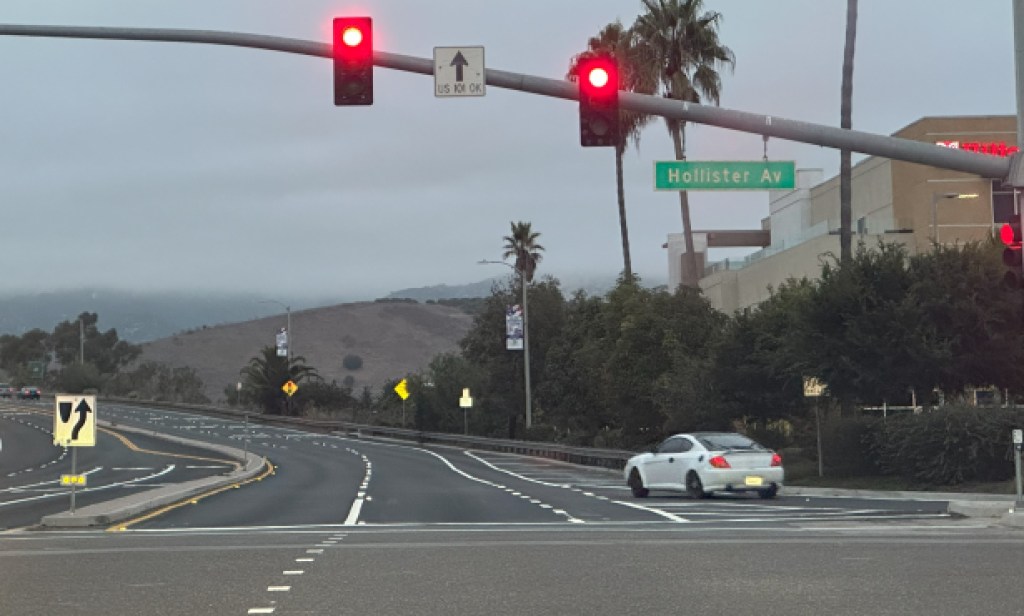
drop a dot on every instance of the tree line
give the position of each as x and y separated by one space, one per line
628 368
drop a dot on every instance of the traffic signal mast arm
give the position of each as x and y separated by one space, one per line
792 130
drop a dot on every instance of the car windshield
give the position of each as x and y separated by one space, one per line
729 442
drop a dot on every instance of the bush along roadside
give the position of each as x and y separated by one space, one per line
947 446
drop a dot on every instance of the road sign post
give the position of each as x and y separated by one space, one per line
813 388
466 402
1018 445
74 425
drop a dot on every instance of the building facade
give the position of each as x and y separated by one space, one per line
893 201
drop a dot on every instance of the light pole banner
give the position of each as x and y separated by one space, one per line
514 328
282 343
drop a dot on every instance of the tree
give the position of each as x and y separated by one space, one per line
522 244
103 349
678 42
616 42
846 121
267 372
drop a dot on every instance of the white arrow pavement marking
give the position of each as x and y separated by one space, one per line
43 483
170 467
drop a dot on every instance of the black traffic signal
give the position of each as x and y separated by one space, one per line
598 79
1010 233
353 61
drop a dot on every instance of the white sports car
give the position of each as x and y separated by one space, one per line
705 462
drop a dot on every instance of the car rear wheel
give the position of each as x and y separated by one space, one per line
769 493
636 485
694 486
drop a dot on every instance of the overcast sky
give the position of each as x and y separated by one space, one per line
157 166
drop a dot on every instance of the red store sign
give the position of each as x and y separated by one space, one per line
995 148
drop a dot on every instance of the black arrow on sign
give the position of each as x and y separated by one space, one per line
83 411
458 62
65 412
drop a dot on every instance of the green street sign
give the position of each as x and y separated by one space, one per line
724 175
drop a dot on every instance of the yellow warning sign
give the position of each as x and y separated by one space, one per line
402 389
290 388
72 480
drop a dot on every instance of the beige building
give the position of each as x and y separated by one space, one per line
892 201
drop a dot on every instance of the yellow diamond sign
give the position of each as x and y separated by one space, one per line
402 389
290 388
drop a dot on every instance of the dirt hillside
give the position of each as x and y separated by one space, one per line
392 338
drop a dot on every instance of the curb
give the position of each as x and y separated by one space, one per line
119 509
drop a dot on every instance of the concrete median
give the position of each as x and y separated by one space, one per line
120 509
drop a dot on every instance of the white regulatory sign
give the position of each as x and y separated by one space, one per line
1018 437
459 71
74 421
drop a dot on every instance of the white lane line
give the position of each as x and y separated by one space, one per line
663 514
353 513
170 467
132 468
261 610
315 551
293 572
205 466
278 588
305 560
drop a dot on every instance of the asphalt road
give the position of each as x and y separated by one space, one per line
347 526
121 463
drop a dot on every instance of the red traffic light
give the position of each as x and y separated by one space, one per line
1010 234
353 61
599 78
352 36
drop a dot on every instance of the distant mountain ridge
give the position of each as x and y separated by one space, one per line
137 317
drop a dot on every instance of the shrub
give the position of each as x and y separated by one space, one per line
352 362
949 446
846 446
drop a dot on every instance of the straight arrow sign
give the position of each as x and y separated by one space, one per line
459 62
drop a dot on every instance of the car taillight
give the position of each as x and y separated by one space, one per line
719 462
776 459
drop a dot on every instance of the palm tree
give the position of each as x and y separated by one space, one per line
522 245
845 121
266 373
616 42
678 41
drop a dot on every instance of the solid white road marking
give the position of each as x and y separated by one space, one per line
278 588
663 514
261 610
293 572
305 560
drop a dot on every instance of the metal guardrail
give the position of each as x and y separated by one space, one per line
589 456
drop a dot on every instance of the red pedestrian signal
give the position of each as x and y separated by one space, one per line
598 79
353 61
1013 256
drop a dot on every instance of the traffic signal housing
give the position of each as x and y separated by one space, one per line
598 79
1010 234
353 61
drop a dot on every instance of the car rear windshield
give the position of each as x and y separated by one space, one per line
715 442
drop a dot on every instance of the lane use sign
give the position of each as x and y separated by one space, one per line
74 421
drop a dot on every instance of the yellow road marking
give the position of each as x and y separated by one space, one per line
134 447
192 500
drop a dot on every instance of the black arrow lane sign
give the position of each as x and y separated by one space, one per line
83 411
459 61
65 412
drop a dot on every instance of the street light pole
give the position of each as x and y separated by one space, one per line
526 340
